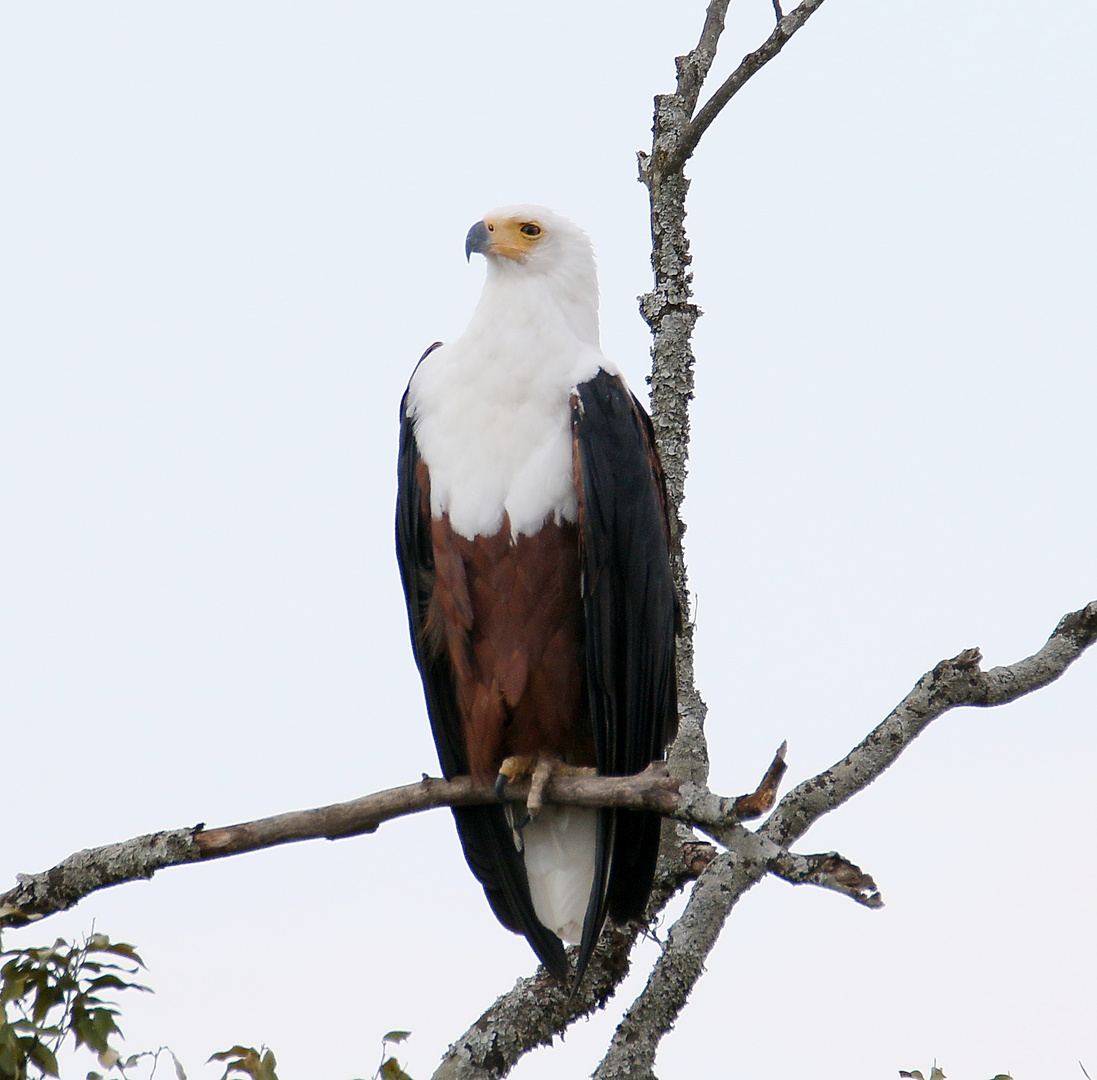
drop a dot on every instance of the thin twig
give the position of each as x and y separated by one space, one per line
693 68
751 64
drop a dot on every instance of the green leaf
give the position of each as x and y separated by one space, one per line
128 951
243 1059
104 981
45 999
391 1070
936 1074
102 1026
916 1075
15 986
12 1057
236 1051
266 1068
42 1056
80 1025
396 1036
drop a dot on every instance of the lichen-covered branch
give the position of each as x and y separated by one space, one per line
950 684
671 314
85 872
828 871
38 895
751 64
958 681
538 1008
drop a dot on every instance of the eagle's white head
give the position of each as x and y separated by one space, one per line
531 248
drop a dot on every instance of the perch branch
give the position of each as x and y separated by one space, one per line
85 872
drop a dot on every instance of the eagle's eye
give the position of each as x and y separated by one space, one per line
529 229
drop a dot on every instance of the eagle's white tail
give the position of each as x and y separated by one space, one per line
559 852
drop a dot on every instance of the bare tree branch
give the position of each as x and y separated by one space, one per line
828 871
55 890
751 64
951 683
85 872
537 1008
693 68
671 315
954 682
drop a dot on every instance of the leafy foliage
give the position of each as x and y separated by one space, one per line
390 1068
247 1061
49 995
260 1064
57 993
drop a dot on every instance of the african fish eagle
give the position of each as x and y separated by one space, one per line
533 543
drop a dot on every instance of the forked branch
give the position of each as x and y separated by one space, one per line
751 64
951 683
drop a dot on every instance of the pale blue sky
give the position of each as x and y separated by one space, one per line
232 228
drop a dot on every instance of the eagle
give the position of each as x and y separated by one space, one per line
534 547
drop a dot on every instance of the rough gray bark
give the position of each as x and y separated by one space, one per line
951 683
538 1008
65 885
671 314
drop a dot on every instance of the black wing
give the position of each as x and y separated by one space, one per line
486 836
631 622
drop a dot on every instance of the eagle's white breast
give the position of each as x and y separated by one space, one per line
491 410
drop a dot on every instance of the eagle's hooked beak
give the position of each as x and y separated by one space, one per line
478 240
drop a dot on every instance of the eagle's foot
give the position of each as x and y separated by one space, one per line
540 769
512 769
